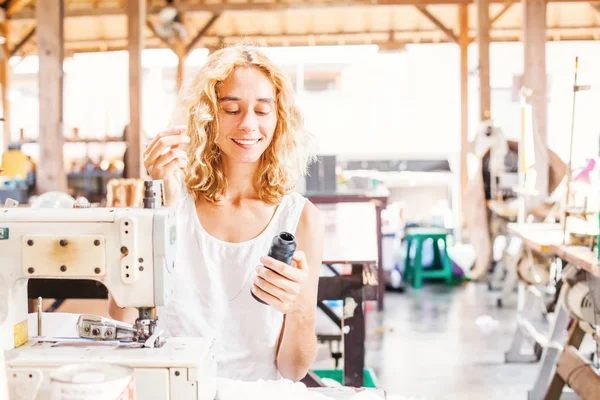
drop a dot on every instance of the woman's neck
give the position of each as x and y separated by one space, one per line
240 181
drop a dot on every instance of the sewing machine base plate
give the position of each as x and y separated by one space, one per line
183 368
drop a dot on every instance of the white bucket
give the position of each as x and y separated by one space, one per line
92 382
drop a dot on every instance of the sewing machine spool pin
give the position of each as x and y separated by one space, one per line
39 316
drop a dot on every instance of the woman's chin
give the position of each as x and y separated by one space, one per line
245 158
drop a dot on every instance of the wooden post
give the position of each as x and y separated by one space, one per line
182 53
483 44
534 78
181 57
136 18
5 81
50 171
463 42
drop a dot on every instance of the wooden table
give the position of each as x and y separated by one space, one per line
539 237
379 199
580 256
510 210
348 242
547 210
504 209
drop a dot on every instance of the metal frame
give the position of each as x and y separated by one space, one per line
526 331
547 385
349 288
531 306
551 355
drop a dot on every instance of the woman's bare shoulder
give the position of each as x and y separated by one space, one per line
311 219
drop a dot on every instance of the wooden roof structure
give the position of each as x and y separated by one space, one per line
53 29
101 25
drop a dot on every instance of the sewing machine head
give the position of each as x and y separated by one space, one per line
129 250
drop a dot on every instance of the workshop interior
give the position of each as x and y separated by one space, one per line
455 170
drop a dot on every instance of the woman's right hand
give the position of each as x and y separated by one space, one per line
164 157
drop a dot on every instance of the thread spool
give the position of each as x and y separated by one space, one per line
282 249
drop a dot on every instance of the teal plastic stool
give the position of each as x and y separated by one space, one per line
413 268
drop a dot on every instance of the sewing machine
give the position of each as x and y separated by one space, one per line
130 251
490 138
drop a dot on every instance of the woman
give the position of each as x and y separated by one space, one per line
246 149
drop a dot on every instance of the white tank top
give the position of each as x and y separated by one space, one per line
212 292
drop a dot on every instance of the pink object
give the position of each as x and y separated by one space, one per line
584 175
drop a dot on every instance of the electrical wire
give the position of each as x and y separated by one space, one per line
568 379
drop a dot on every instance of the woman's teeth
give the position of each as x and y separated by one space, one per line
246 142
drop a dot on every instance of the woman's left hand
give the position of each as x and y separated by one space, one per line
283 286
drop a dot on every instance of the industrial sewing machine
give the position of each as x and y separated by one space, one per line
130 251
490 138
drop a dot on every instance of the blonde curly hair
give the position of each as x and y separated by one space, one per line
283 162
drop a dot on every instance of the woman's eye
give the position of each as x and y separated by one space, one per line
232 112
263 112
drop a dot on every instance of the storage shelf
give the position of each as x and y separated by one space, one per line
70 140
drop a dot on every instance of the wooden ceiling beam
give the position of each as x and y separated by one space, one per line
150 26
423 10
15 6
395 37
217 8
500 13
192 44
23 41
93 47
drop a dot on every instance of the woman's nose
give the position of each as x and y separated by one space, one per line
249 122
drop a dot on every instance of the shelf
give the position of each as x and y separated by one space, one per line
95 174
70 140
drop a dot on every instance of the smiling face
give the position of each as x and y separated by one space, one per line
247 115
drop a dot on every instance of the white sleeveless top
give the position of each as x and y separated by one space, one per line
212 292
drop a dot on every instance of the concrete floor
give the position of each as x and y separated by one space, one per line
444 343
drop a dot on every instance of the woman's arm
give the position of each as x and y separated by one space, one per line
298 342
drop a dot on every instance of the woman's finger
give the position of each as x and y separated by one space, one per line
267 298
277 280
166 170
164 145
284 269
169 132
273 290
154 169
170 156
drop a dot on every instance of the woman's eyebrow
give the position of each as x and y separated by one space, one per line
229 98
268 100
